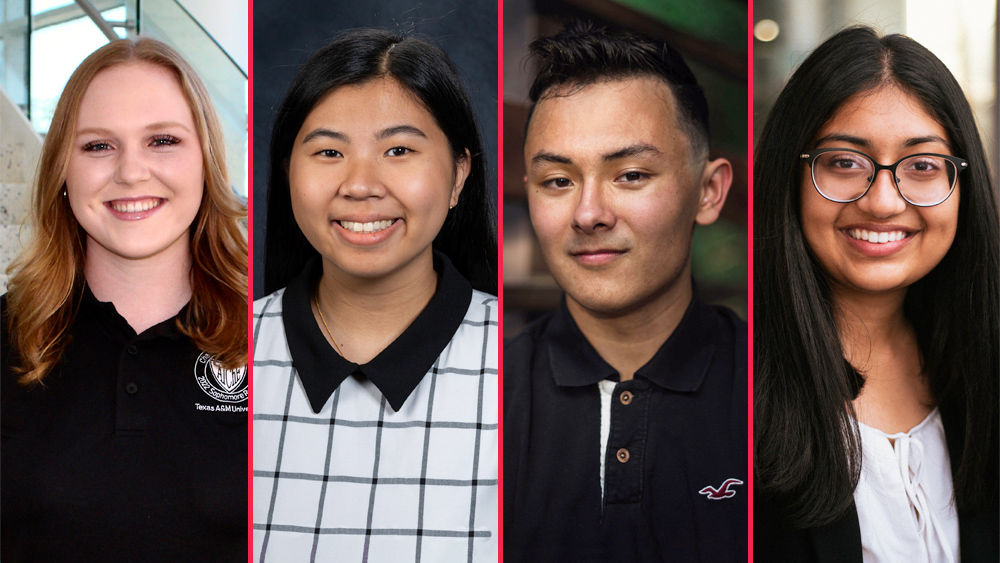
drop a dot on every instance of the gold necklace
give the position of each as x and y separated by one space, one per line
327 327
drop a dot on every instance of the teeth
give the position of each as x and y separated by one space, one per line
877 237
135 206
372 227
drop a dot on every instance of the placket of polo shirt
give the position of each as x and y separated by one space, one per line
626 442
132 390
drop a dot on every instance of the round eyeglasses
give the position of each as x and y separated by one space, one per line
845 175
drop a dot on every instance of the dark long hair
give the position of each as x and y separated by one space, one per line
468 236
806 443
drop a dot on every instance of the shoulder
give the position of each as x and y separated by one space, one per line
476 337
519 356
268 304
5 345
268 328
523 345
725 330
730 323
482 304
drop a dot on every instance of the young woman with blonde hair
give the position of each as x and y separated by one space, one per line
124 389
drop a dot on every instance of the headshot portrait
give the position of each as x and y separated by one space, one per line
625 407
877 310
376 335
124 336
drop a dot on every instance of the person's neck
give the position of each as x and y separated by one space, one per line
145 292
870 324
879 341
628 340
365 315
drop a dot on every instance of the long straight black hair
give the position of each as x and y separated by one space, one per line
806 443
468 236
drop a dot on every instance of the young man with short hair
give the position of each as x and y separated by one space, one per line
625 416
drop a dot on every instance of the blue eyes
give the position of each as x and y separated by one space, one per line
156 141
164 141
97 146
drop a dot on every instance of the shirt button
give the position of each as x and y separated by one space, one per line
626 397
622 455
132 389
133 349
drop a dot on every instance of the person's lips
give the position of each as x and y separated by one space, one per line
597 256
366 230
134 208
878 240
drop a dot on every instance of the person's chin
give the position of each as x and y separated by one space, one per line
877 280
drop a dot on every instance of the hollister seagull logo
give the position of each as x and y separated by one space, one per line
722 492
223 385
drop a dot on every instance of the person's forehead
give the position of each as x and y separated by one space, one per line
361 111
606 116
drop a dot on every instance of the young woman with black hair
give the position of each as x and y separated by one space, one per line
375 396
877 299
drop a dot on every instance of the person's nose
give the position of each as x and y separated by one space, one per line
132 168
594 210
883 198
363 180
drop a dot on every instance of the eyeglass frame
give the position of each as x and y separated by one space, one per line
812 155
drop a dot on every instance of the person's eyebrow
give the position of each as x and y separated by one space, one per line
167 125
322 133
638 149
928 139
548 157
399 130
93 130
861 142
150 127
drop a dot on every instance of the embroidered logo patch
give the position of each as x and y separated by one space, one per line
722 492
223 385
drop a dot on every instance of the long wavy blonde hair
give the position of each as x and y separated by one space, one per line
46 280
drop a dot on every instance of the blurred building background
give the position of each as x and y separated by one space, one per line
962 33
712 35
43 41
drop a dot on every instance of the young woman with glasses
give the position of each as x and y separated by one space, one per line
877 299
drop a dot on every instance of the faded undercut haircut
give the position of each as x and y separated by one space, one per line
583 54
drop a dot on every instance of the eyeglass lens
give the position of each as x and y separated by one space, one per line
922 179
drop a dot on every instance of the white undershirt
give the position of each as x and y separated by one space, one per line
607 388
905 496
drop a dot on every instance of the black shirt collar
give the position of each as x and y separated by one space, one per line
107 316
679 365
398 369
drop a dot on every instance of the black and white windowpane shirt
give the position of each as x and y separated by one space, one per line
394 460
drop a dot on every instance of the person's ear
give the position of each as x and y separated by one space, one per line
462 168
714 185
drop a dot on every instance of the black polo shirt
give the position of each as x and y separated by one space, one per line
678 433
133 449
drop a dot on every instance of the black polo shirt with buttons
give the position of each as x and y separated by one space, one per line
672 484
133 449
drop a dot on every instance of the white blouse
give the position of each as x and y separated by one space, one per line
905 496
